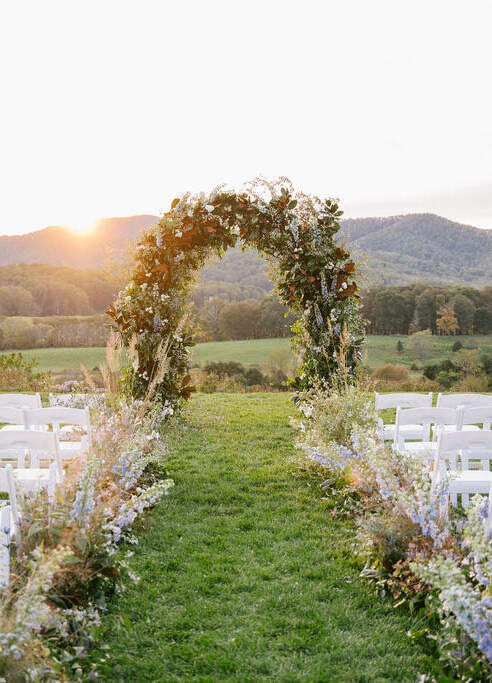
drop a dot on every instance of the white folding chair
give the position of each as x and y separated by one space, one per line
401 400
20 401
458 453
38 446
13 417
426 418
5 534
9 515
471 416
69 417
468 400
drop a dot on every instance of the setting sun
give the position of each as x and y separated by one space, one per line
81 228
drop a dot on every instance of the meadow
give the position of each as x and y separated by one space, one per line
379 351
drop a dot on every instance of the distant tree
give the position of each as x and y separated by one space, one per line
239 320
62 298
420 343
209 317
446 322
16 300
464 310
272 321
482 321
392 311
425 311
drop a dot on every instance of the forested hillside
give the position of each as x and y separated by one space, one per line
399 250
422 247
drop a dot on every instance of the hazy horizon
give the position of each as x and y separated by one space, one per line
143 213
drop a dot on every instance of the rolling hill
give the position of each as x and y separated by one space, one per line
398 250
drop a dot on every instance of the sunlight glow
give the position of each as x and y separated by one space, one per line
82 227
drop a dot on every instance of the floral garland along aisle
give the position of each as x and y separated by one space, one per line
314 277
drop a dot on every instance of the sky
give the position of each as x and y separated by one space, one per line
112 108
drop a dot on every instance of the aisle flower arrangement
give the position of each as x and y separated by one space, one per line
68 559
414 547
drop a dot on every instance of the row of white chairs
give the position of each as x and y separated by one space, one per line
417 428
32 401
416 400
25 446
62 420
465 457
447 438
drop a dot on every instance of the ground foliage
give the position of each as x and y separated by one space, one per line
297 233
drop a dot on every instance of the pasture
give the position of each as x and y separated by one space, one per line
379 351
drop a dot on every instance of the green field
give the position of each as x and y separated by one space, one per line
245 574
379 350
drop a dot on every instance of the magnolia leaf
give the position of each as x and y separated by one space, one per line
175 203
161 268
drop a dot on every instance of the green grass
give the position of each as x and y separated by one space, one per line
245 576
380 350
248 352
57 360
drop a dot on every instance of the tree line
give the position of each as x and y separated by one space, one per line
442 310
42 290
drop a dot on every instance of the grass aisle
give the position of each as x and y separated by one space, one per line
244 576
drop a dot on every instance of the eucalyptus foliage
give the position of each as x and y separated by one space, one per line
314 277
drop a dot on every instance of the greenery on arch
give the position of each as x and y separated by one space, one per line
314 277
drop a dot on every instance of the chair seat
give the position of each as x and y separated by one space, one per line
32 479
410 431
471 481
71 449
421 449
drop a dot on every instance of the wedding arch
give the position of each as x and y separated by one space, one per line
313 273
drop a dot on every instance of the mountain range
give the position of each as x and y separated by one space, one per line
397 250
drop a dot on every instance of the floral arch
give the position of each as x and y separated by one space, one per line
314 277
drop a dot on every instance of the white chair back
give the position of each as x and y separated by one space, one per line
13 521
472 416
468 445
57 416
403 400
456 400
12 416
40 445
20 401
423 416
5 534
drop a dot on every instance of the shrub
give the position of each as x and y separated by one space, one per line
18 373
416 366
221 368
431 371
254 376
473 384
457 346
399 346
209 383
446 379
392 373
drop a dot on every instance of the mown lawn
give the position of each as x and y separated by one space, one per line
245 575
